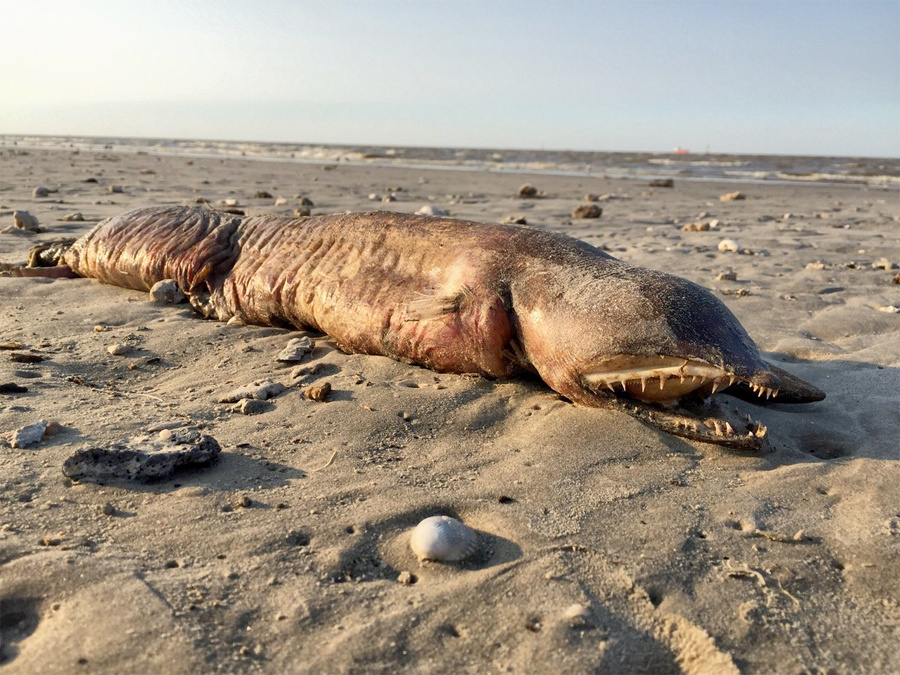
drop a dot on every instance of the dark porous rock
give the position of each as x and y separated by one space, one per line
144 458
662 182
587 211
306 201
263 194
12 388
25 357
302 212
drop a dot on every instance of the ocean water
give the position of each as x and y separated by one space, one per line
875 172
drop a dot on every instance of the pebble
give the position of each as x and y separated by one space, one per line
296 349
167 292
281 201
695 227
23 220
260 389
12 388
729 245
527 190
430 210
577 614
252 406
302 212
263 194
591 197
25 357
406 578
116 189
374 197
143 458
727 275
306 201
388 199
587 211
662 183
76 217
732 196
120 349
443 539
318 392
29 435
815 266
514 220
40 191
883 264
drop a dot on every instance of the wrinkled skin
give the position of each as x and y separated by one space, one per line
458 296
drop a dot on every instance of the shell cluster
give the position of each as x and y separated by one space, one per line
443 539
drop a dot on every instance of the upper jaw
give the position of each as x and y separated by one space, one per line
666 379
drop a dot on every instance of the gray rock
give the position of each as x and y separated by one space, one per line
296 349
252 406
527 190
261 389
76 217
144 458
28 436
40 191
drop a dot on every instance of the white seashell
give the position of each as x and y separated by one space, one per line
443 539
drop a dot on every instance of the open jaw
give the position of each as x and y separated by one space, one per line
671 393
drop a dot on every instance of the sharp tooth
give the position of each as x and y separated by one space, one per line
774 393
643 384
716 385
730 380
718 428
729 428
611 388
682 378
662 381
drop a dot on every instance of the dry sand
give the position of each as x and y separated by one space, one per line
287 554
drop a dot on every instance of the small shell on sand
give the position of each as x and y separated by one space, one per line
729 245
443 539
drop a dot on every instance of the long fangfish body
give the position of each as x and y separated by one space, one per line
458 296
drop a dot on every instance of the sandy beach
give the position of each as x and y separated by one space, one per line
604 545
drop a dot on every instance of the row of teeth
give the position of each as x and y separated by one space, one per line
624 380
767 392
755 429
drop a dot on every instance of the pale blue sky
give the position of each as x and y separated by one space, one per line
815 76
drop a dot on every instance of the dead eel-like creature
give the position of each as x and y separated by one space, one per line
460 297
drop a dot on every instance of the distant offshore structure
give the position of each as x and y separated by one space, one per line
681 151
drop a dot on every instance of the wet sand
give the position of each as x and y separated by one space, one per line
290 553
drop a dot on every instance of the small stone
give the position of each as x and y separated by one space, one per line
40 191
245 502
732 196
302 212
25 221
25 357
167 292
527 190
280 201
306 201
76 217
514 220
107 509
374 197
729 246
896 279
263 194
430 210
587 211
815 266
318 392
296 349
406 578
260 389
577 614
388 198
116 189
590 197
29 435
662 183
883 264
695 227
727 275
252 406
120 349
12 388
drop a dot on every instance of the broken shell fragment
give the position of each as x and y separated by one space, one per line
443 539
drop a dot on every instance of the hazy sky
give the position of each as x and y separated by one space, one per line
817 77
